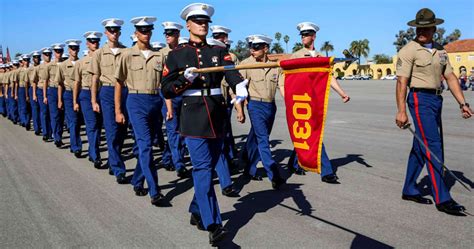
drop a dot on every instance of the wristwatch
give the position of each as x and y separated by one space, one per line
462 105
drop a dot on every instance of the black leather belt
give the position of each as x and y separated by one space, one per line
427 90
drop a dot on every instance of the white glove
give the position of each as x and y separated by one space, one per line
241 92
189 75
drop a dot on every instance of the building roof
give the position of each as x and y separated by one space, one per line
466 45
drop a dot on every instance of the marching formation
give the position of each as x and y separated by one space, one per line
151 85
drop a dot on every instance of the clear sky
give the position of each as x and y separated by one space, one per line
27 25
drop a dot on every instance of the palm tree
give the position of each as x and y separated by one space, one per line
327 47
297 46
286 39
360 48
278 36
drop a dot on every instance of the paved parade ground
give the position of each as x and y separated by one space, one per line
50 199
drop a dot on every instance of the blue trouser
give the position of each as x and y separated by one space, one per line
57 115
175 140
93 122
73 121
114 133
35 112
229 143
144 110
326 166
44 113
425 110
262 116
13 107
2 105
23 106
205 154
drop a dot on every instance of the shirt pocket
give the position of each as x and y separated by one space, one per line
136 72
107 66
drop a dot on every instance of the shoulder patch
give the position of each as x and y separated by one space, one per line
166 71
399 62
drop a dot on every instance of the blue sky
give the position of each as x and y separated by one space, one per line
26 25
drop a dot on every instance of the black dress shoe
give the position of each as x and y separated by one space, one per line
331 179
140 191
451 207
183 173
277 183
230 192
121 179
196 221
417 198
58 144
37 133
253 178
216 233
110 171
169 167
97 164
158 200
27 127
77 154
45 138
300 171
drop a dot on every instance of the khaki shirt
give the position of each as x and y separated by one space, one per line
423 67
226 90
22 77
81 74
52 71
64 75
6 78
138 73
165 51
32 75
104 63
262 82
42 74
302 53
14 75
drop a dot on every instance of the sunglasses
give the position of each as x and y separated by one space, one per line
304 34
74 48
93 40
145 30
218 35
170 32
200 21
113 29
47 53
58 50
258 46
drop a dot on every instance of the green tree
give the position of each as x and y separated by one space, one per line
278 36
241 50
327 47
382 59
360 48
404 37
297 46
276 48
286 39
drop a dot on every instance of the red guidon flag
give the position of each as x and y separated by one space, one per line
307 84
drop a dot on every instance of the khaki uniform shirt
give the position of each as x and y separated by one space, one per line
302 53
422 66
81 74
104 62
262 82
52 71
14 76
64 75
6 78
42 74
165 51
32 75
22 77
140 74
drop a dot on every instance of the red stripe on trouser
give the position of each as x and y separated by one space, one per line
428 154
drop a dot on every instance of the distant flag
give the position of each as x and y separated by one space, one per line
1 54
9 59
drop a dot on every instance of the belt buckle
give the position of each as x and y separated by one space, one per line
439 91
206 92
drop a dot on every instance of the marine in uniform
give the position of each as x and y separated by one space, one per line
23 95
41 75
139 69
308 32
173 155
65 79
420 65
82 97
14 91
32 82
50 94
3 112
203 110
102 67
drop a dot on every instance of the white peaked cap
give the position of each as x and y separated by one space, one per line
112 22
92 35
171 25
183 40
65 56
307 26
220 29
249 38
86 52
133 37
36 53
73 42
197 9
261 39
143 20
25 56
158 45
46 50
215 42
57 46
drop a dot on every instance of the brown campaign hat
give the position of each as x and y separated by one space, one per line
425 18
